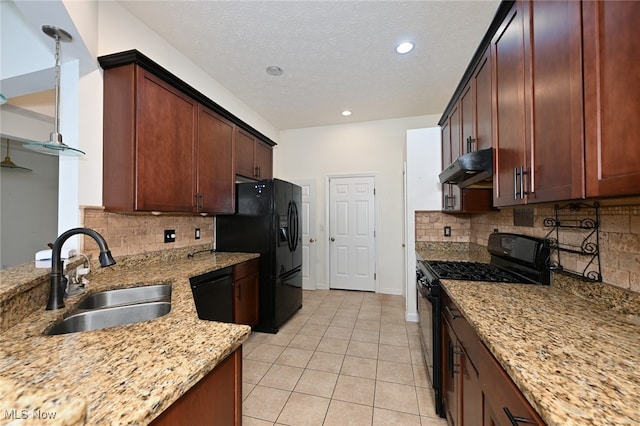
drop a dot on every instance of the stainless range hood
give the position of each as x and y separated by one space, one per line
472 170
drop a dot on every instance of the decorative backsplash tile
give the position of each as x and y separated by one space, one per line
619 236
128 234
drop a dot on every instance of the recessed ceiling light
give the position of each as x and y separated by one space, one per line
346 113
404 47
274 70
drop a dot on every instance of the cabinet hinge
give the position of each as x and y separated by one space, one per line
375 276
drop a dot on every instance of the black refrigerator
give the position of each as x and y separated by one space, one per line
267 221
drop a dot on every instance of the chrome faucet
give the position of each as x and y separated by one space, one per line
56 291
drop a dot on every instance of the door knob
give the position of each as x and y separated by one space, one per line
332 239
312 240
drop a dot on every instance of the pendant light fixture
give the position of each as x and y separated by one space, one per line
7 163
55 146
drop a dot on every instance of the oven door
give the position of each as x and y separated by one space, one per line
430 336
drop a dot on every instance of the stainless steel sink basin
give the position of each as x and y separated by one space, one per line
116 307
127 296
109 317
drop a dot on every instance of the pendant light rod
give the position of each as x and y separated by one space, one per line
55 146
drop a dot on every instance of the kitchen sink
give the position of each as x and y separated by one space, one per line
116 307
109 317
127 296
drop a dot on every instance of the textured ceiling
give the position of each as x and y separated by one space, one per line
335 54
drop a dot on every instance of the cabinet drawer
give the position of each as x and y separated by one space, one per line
502 395
463 330
243 269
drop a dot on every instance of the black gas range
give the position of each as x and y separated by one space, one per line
514 259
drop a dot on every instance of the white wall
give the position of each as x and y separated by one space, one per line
423 191
374 147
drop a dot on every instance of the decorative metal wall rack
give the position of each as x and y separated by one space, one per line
575 238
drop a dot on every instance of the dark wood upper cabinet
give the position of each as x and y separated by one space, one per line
612 97
215 176
510 137
167 147
149 129
253 157
555 110
538 96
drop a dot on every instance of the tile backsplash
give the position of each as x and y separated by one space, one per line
619 236
128 234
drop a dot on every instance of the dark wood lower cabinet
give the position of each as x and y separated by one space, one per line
214 400
476 389
246 287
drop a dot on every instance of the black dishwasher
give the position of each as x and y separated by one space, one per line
213 295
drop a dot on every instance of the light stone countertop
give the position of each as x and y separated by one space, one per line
121 375
575 362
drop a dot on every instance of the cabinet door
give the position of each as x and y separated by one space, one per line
263 160
502 399
612 97
246 307
245 154
510 136
557 168
450 374
166 127
483 107
471 392
215 176
467 118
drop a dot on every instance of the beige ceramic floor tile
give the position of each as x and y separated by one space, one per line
324 361
363 349
394 353
304 410
369 336
338 332
395 372
432 421
295 357
266 353
303 341
282 377
426 400
265 403
368 324
355 389
333 345
359 367
250 421
382 417
343 413
396 339
317 383
396 397
253 371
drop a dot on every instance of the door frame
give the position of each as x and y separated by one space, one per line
313 260
327 224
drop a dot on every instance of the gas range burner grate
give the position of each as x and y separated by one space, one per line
471 271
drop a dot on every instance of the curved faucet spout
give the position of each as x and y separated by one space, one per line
56 291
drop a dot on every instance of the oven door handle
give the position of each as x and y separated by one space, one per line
425 293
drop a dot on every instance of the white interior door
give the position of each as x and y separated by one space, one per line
352 233
309 238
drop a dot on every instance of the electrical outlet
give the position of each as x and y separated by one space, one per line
447 231
197 234
169 235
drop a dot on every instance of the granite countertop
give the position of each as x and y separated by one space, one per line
576 363
574 359
120 375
